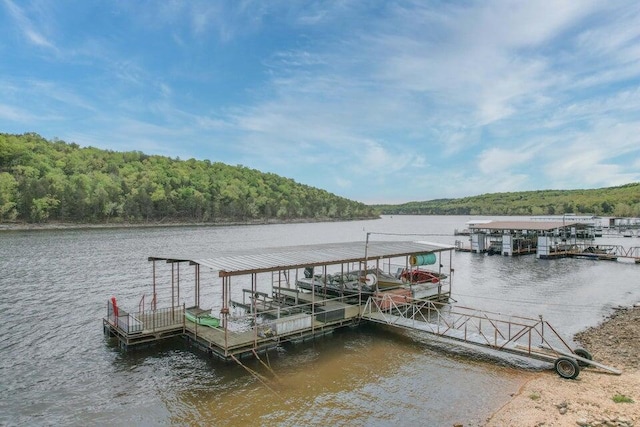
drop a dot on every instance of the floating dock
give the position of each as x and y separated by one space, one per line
545 239
275 295
343 277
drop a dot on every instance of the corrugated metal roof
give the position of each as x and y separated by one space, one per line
274 259
524 225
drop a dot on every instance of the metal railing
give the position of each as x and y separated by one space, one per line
520 335
162 318
144 321
122 319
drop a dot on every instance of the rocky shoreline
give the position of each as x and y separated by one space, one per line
593 399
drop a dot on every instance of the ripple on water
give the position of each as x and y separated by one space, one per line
57 368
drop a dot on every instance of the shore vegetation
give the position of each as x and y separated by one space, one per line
620 201
45 181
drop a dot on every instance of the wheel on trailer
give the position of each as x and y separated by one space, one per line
567 367
584 354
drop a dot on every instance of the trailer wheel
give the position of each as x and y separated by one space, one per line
584 354
567 367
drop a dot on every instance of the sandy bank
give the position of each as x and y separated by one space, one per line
548 400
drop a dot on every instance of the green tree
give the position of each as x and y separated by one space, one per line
8 197
41 207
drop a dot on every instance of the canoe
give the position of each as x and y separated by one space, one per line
203 319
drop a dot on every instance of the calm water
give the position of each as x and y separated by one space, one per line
56 367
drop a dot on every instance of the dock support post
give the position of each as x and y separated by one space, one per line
172 289
154 299
178 283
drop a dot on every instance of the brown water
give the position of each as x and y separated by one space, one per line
56 367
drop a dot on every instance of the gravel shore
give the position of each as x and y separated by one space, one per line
595 398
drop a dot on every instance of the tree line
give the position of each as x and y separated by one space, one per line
621 201
54 181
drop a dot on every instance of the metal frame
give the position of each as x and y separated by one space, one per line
512 334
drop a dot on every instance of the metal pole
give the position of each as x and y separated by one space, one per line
153 298
178 284
224 312
173 303
196 285
254 308
366 259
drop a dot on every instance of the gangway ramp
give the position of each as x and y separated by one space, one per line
521 336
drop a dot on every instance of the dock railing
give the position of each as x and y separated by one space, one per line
162 318
606 250
145 321
287 313
122 319
519 335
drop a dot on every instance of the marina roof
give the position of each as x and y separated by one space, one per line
525 225
283 258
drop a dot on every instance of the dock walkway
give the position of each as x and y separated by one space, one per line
521 336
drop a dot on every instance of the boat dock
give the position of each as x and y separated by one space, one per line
275 295
545 239
276 308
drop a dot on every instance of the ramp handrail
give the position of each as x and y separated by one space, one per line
508 333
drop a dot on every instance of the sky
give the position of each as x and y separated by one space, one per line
378 101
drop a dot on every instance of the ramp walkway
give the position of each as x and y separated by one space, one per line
522 336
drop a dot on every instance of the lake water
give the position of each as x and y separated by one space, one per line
57 368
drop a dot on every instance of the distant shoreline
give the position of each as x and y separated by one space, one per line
80 226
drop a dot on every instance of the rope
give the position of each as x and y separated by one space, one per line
267 366
259 377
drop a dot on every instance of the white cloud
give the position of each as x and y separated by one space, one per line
27 27
14 114
498 160
473 56
342 182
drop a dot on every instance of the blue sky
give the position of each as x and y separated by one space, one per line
377 101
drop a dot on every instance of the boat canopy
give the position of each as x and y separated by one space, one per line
526 225
290 257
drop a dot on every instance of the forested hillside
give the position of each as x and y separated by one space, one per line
43 181
613 201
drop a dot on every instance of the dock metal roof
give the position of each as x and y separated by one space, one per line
289 257
525 225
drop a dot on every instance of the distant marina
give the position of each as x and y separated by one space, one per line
550 237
